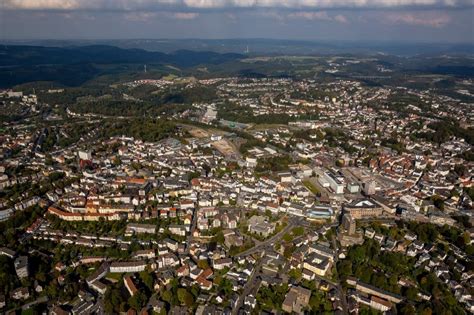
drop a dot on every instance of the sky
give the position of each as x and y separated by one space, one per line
373 20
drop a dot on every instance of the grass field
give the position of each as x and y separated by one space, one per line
311 187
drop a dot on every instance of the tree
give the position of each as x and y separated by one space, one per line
203 264
219 238
412 293
287 237
167 296
298 231
147 279
112 300
117 161
438 202
226 286
295 274
138 300
426 311
460 169
407 309
185 297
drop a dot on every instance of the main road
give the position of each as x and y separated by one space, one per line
270 241
252 284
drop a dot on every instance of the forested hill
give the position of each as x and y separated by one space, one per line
76 64
101 54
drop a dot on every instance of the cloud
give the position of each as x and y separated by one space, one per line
428 19
140 16
143 5
185 15
272 14
148 16
341 19
319 15
42 4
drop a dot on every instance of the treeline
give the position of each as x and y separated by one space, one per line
382 269
274 164
69 96
20 219
170 101
444 130
150 130
182 95
116 228
111 107
53 137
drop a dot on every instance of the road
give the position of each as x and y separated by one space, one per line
192 229
270 241
252 284
40 300
338 285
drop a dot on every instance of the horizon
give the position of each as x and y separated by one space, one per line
348 41
441 21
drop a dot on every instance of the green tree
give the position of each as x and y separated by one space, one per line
185 297
138 300
147 279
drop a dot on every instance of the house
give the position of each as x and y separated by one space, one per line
296 300
369 233
131 288
250 301
203 224
21 267
171 244
364 208
273 207
232 239
59 267
183 271
317 264
308 275
20 294
322 250
220 264
259 225
99 273
380 304
127 266
7 252
146 253
156 305
167 260
99 287
140 228
177 229
374 291
58 310
204 283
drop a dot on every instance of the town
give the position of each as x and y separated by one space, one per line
260 196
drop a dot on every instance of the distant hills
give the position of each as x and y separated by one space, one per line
102 54
267 46
75 65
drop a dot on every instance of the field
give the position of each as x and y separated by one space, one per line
224 147
198 132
